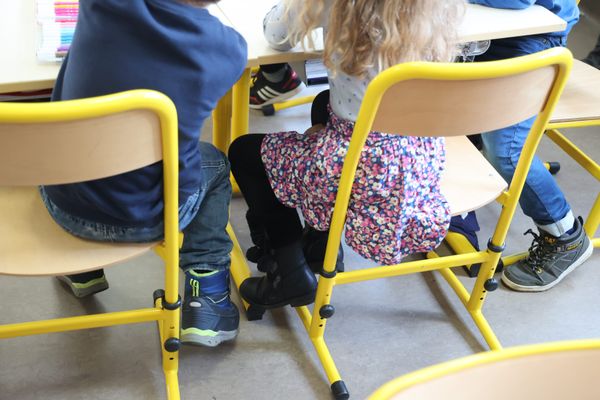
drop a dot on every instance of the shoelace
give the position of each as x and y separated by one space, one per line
539 252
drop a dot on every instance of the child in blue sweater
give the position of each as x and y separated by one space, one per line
562 244
173 47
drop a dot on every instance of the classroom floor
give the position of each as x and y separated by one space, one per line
381 329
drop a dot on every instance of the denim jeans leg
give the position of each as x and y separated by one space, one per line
206 244
542 199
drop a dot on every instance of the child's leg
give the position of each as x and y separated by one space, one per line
296 284
319 112
208 315
274 83
562 244
281 223
594 57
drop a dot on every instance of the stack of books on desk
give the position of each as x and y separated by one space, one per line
57 19
316 73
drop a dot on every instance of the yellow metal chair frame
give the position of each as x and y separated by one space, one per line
434 99
74 141
559 370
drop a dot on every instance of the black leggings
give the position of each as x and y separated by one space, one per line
282 224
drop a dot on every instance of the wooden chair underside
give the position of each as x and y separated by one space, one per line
38 246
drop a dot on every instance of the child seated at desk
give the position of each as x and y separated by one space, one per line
171 46
280 172
562 244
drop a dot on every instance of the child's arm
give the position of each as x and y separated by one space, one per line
276 29
276 24
509 4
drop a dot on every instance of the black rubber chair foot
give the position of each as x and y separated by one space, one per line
553 167
255 313
268 110
339 390
158 294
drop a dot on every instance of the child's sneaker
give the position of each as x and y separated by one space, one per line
550 260
85 284
264 92
208 315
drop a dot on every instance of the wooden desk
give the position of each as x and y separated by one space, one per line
20 69
480 23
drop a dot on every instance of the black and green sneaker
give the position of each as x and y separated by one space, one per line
85 284
208 316
550 260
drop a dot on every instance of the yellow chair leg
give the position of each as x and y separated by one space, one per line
239 267
168 328
592 221
240 106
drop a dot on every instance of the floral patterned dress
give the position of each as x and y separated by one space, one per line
396 207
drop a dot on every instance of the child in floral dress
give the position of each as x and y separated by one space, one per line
396 207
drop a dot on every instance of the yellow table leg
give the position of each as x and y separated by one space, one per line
240 106
222 123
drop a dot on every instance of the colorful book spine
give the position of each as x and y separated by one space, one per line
57 20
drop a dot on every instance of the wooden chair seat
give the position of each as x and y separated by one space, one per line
41 247
580 100
467 168
519 373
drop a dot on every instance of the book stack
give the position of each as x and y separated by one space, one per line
316 73
57 20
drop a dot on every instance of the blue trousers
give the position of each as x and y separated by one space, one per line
203 219
542 199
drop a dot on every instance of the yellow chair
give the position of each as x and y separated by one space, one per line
74 141
552 371
579 106
453 100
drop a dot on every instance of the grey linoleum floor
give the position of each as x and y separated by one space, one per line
381 329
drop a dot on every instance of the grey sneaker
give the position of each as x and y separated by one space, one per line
550 260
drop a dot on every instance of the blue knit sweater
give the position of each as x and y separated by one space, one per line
566 9
177 49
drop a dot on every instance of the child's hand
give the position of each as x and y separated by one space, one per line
314 128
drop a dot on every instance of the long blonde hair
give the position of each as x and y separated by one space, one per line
376 34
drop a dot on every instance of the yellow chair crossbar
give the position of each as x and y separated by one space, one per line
80 140
451 100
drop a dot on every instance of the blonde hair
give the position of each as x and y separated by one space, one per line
376 34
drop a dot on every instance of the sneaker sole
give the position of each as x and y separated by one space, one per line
519 288
299 301
84 292
279 98
195 339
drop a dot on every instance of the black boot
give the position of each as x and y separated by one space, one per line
258 236
292 282
314 244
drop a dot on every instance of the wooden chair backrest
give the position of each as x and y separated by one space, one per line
57 143
428 107
520 378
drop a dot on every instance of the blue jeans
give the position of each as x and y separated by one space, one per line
542 199
203 217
